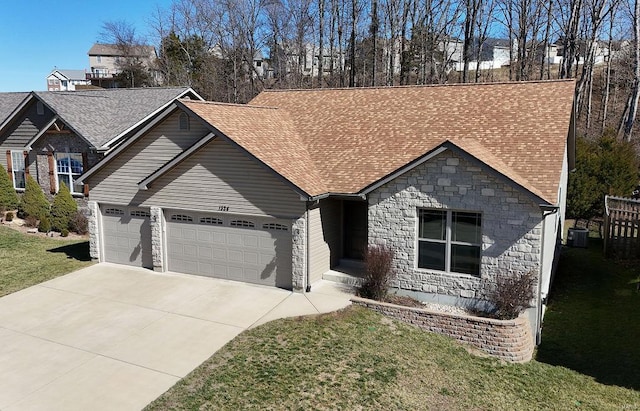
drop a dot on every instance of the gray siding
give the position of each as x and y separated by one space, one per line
25 127
219 177
117 182
325 245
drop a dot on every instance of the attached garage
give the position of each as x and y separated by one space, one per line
127 235
242 248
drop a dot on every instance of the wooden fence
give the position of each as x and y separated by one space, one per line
622 227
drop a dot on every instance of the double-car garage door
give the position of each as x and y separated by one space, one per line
243 248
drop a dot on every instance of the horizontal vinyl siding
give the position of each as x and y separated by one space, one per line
27 126
219 177
118 181
325 224
319 253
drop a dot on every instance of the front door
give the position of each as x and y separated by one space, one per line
355 228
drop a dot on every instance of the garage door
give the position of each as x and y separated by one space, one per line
127 235
250 249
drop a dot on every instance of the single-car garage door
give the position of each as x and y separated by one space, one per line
127 235
250 249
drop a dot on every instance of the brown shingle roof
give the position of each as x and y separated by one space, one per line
269 135
344 140
357 136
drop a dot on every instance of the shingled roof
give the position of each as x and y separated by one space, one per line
357 136
100 116
9 102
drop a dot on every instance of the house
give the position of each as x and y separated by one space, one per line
107 60
56 136
66 80
463 182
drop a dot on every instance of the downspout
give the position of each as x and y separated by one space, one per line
307 248
546 210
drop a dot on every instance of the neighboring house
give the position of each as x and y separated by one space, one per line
105 61
463 182
66 80
57 136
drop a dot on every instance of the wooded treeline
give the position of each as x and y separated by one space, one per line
229 50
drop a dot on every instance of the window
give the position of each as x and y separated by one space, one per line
184 121
210 221
99 59
17 169
181 217
242 223
449 241
69 169
139 213
275 227
113 211
40 108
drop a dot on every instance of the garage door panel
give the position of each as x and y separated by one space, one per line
236 252
126 238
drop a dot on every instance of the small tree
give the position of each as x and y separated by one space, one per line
512 295
45 225
8 198
63 209
34 203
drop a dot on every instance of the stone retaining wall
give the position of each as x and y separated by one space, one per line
510 340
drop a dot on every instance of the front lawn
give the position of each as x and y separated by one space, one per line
26 260
357 359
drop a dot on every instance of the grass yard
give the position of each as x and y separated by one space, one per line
357 359
593 322
26 260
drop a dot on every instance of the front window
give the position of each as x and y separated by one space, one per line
17 169
69 169
449 241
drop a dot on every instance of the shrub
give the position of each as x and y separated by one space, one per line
512 295
79 223
378 272
64 233
63 209
8 216
34 203
8 198
45 225
30 220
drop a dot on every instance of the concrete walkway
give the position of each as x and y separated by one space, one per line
110 337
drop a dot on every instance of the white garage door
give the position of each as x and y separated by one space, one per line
250 249
127 235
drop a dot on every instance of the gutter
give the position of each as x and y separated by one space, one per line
547 209
307 249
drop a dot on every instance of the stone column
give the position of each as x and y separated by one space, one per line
94 234
157 239
299 255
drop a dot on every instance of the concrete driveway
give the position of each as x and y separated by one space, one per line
114 338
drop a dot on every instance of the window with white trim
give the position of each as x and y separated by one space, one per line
275 227
210 221
68 170
17 169
449 241
242 223
182 217
183 121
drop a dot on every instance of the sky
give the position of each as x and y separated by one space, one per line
37 36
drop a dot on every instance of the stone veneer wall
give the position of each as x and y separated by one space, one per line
94 236
299 255
510 340
511 223
157 221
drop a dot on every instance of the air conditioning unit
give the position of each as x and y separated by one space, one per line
578 237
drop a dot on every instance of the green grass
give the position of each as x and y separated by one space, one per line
593 322
356 359
26 260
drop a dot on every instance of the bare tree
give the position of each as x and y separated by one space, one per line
631 108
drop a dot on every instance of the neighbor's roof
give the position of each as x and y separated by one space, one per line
100 116
9 102
70 74
355 137
100 49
